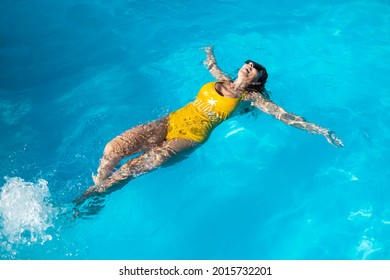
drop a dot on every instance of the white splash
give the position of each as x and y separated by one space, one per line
25 212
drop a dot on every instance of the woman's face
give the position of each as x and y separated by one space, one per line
248 73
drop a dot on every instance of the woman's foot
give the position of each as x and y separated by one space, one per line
96 190
95 179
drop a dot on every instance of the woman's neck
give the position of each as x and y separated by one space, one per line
238 86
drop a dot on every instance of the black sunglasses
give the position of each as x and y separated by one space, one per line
256 65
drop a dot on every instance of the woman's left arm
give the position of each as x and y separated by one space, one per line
267 106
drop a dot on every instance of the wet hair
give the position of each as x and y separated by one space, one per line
259 85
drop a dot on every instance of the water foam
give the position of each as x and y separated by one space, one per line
366 247
26 213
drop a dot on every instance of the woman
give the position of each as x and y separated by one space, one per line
188 127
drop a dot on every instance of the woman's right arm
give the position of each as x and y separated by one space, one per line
211 65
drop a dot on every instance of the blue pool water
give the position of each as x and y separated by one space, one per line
74 74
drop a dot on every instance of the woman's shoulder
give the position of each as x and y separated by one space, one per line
253 95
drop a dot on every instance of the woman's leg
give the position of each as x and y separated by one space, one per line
140 138
145 163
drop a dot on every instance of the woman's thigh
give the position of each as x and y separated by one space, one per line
139 138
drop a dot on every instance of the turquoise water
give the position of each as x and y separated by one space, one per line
74 74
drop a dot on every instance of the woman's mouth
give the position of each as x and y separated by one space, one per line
246 70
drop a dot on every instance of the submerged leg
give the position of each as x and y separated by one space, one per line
140 138
145 163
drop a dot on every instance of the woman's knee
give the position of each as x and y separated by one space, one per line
110 151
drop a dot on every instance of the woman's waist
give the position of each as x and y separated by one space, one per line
190 123
207 112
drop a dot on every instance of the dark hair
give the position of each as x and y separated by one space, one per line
259 85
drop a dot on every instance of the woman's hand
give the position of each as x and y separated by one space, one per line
210 60
208 49
211 64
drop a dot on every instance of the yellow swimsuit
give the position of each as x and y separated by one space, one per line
196 120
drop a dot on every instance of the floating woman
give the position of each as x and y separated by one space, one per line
185 129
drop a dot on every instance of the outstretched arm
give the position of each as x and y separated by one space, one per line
211 65
267 106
